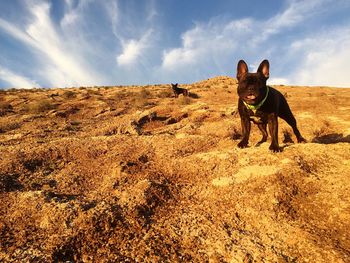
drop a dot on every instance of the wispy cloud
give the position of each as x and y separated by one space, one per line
323 59
59 65
89 42
207 43
134 49
295 13
15 80
135 39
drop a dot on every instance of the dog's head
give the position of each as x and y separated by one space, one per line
174 86
252 86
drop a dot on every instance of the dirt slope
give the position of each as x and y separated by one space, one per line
125 174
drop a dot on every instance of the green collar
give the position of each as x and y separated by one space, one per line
254 108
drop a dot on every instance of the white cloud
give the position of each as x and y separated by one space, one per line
16 80
294 14
207 43
134 49
44 33
278 81
324 59
17 33
209 46
135 40
218 39
83 49
73 14
60 65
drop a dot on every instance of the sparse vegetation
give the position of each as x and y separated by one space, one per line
287 136
323 129
236 134
184 100
68 94
5 107
129 174
9 127
39 107
144 93
142 98
166 93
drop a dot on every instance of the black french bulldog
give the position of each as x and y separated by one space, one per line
262 105
177 91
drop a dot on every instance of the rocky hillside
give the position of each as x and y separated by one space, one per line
132 174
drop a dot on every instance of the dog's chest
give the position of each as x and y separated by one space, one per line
257 117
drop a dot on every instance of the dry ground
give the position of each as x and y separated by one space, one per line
125 174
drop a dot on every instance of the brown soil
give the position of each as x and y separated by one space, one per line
125 174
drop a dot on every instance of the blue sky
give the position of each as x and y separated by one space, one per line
64 43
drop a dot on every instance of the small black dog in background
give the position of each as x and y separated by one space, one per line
177 91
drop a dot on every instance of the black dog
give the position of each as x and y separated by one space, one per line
177 91
262 105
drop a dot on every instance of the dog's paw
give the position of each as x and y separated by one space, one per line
258 144
275 148
242 144
261 142
301 140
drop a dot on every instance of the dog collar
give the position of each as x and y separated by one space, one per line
254 108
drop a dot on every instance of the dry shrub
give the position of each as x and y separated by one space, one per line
193 95
184 100
165 94
39 107
123 94
5 107
307 165
142 98
68 94
236 134
9 127
287 136
145 93
323 130
94 92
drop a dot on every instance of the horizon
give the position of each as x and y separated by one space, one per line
72 43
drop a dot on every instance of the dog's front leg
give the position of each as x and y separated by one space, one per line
273 129
245 123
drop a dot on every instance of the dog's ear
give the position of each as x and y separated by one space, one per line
242 69
264 68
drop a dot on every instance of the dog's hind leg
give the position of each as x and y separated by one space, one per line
288 116
262 128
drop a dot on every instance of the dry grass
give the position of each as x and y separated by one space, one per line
68 94
39 107
5 107
128 175
184 100
9 127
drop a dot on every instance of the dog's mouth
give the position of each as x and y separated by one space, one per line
250 97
